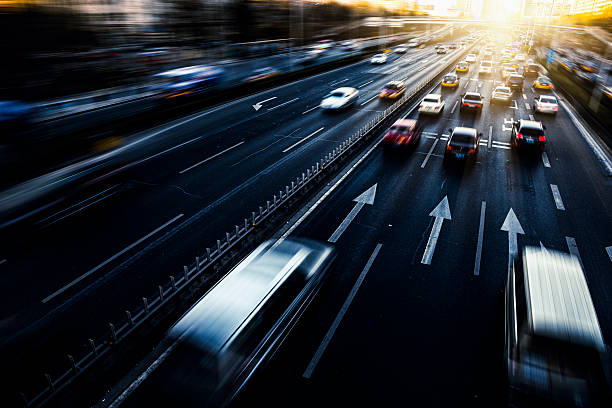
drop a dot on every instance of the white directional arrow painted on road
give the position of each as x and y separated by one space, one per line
258 104
441 212
367 197
513 227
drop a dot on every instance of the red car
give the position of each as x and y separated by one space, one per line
403 133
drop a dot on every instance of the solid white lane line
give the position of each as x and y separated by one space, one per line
77 204
608 250
433 145
455 106
502 147
524 96
557 197
545 159
490 136
573 249
282 104
339 82
483 143
362 85
112 258
330 333
2 261
129 390
597 150
303 140
501 143
82 208
267 100
527 106
430 133
211 157
483 208
370 100
310 110
430 137
531 117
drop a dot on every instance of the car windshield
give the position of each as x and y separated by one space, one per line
391 86
543 80
378 56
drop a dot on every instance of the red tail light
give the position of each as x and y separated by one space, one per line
478 105
542 138
448 147
519 135
472 151
465 104
555 108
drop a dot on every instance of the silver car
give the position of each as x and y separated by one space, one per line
340 98
546 104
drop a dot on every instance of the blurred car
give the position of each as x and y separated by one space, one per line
588 66
520 57
401 49
309 57
393 90
528 133
501 94
531 70
441 50
432 104
413 43
515 82
462 66
340 98
262 73
462 144
15 115
349 44
403 133
553 344
378 59
546 104
452 46
568 65
589 78
542 83
437 46
515 64
471 101
486 68
507 71
187 81
470 58
450 81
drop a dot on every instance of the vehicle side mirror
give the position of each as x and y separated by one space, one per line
450 130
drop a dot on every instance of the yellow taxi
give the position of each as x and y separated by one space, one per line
515 64
393 90
462 66
542 83
450 81
588 67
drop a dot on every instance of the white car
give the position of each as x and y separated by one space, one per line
501 94
521 57
379 59
400 50
432 103
470 58
340 98
486 68
546 104
413 44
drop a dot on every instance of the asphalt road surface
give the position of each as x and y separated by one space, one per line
400 322
83 265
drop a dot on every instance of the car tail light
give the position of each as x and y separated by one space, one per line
465 104
519 135
542 138
472 151
555 108
540 106
436 107
401 139
421 106
478 105
449 147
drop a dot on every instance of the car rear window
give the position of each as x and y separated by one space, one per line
391 86
548 100
398 128
430 100
336 94
486 64
469 97
528 131
449 78
463 139
515 79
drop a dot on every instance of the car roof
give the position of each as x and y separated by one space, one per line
345 89
559 304
518 76
394 83
464 131
405 122
433 96
502 88
473 94
530 124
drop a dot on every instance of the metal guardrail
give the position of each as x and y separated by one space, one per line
213 256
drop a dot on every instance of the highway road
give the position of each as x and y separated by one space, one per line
411 316
82 265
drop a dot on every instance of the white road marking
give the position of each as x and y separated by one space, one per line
112 258
483 143
524 96
129 390
2 261
507 122
430 137
483 208
531 117
310 110
608 250
527 106
211 157
362 85
338 82
330 333
303 139
573 249
545 159
480 84
515 105
455 106
441 212
367 197
430 133
501 143
370 100
82 208
557 197
502 147
513 227
433 145
392 70
77 204
490 136
282 104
